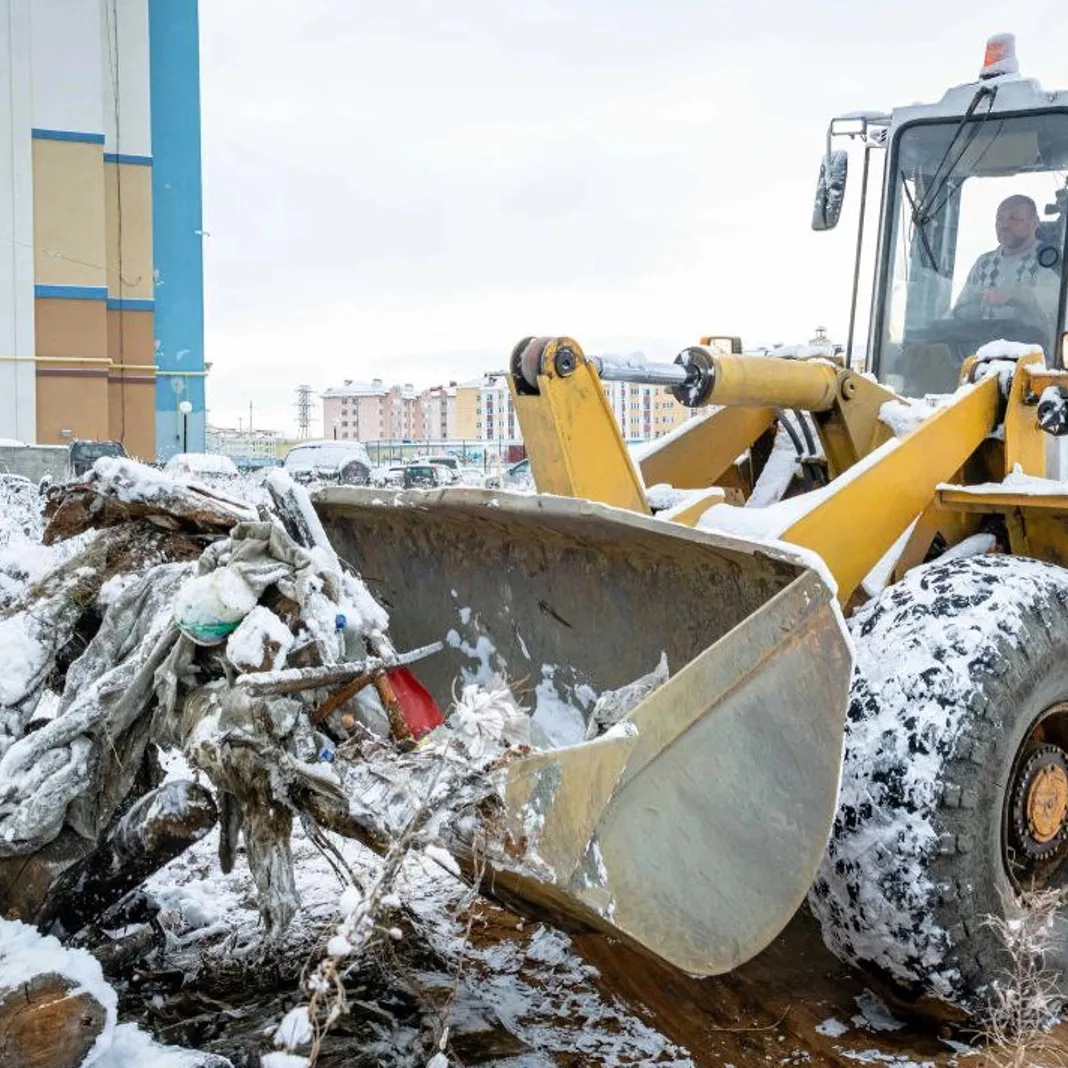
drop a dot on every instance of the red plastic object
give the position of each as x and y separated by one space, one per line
417 706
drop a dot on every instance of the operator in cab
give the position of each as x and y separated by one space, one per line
1010 282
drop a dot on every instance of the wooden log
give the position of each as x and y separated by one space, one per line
106 502
44 1024
155 829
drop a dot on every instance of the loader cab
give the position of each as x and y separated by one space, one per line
946 182
947 169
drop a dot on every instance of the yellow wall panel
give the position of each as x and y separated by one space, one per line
68 213
467 412
134 182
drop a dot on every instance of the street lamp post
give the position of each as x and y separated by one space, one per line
185 408
335 429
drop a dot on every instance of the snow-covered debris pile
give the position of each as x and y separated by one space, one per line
79 649
117 490
256 653
185 622
22 558
20 501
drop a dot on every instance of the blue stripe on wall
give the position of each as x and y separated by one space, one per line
67 135
125 157
70 292
130 304
174 57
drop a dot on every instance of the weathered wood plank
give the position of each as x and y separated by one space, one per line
44 1024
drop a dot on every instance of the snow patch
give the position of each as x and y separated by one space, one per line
295 1028
875 1014
832 1028
555 723
284 1060
903 415
261 642
133 1048
1015 482
22 658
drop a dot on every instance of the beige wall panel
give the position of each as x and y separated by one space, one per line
72 399
136 199
130 342
72 329
68 213
132 413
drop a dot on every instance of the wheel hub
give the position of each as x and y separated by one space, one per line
1040 808
1047 803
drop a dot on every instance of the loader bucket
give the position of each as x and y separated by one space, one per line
692 830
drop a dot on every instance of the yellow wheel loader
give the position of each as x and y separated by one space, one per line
863 688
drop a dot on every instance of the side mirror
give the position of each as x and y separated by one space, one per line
830 190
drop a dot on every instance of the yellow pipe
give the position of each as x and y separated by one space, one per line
773 382
71 359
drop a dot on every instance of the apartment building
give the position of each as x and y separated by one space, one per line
101 281
644 412
435 416
247 448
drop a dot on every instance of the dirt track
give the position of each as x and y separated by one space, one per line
767 1012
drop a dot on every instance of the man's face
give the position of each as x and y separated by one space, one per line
1016 224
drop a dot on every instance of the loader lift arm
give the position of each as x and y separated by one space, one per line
576 449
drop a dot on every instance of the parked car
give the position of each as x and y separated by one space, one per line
427 476
446 459
198 466
388 476
355 473
471 476
81 455
517 477
325 460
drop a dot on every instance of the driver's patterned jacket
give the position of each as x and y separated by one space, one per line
1022 274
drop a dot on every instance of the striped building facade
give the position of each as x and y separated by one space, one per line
99 207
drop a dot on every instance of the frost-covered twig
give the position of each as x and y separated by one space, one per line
431 785
1026 1002
361 909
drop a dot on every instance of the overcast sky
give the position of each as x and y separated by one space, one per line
403 189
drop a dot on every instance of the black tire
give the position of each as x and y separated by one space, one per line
955 666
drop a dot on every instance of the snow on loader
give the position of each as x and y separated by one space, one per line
694 828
